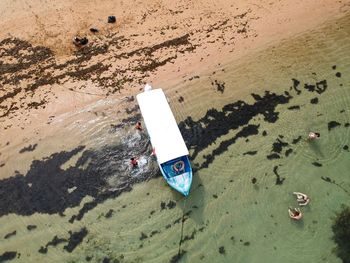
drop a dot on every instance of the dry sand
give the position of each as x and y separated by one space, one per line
43 74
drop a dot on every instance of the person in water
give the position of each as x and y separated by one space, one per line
302 199
138 126
133 162
314 135
295 213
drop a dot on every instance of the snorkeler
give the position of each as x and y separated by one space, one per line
302 199
314 135
295 213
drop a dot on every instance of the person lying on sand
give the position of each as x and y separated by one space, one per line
302 199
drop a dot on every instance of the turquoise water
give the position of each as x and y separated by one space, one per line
226 218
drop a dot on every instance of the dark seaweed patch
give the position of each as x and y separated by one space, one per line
264 133
334 67
75 239
220 86
31 227
247 243
310 87
254 180
346 147
314 101
199 135
273 156
222 250
279 180
338 75
333 124
10 234
143 236
327 179
45 187
215 196
29 148
295 107
109 213
8 255
190 237
181 99
346 125
321 86
250 153
223 146
295 141
154 232
277 146
288 152
295 85
317 164
341 234
170 205
54 242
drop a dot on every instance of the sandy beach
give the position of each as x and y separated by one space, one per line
43 73
245 80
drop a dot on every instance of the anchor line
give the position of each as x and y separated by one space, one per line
182 227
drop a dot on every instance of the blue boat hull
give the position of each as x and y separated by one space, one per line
178 174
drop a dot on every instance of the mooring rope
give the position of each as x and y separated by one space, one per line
182 227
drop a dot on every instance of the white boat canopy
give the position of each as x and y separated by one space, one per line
161 126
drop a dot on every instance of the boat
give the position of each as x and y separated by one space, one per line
166 139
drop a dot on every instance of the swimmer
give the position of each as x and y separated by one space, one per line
138 126
302 199
314 135
133 162
295 213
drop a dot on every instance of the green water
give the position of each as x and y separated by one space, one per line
249 222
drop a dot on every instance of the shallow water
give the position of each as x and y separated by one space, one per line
226 218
